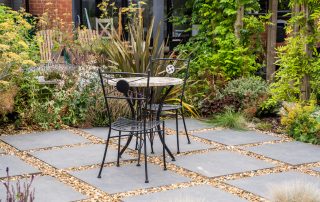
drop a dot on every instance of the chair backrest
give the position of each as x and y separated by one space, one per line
171 67
104 26
46 40
121 86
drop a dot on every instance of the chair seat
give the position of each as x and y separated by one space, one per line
165 107
129 125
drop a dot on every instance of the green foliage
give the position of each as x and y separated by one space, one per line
302 122
294 64
230 119
251 34
250 92
65 108
78 102
243 94
132 55
233 59
294 60
264 126
269 107
246 87
16 46
218 56
28 95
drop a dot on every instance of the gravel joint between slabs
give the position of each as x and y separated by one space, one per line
95 194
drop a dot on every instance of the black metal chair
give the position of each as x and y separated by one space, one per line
116 86
172 67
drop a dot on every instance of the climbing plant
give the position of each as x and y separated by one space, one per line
228 45
298 77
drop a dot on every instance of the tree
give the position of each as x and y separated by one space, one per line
272 39
238 25
305 85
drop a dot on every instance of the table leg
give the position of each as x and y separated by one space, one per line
158 115
158 119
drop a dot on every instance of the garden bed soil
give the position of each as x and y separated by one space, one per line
275 124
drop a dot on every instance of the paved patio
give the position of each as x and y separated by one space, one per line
219 165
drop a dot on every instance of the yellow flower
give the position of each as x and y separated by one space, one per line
7 25
25 24
291 115
10 57
10 36
23 44
28 63
308 108
4 47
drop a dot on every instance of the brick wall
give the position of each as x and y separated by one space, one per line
56 8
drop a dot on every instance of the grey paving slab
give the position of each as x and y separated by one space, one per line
220 163
43 139
77 156
192 124
289 152
129 177
101 132
317 169
233 137
48 189
15 165
171 142
201 193
263 185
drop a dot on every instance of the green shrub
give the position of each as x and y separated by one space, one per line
218 55
17 49
28 96
243 94
230 119
298 76
269 107
76 100
246 88
302 122
17 53
250 92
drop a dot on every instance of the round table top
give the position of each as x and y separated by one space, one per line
154 81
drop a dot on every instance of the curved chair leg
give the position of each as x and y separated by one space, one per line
163 148
185 127
136 147
127 144
139 149
145 156
119 143
177 129
105 154
151 140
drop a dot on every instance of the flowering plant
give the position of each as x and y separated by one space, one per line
16 48
302 122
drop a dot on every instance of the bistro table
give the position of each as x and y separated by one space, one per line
137 82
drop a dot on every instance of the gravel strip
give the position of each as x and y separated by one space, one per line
95 194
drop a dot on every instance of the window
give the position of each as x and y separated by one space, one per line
14 4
